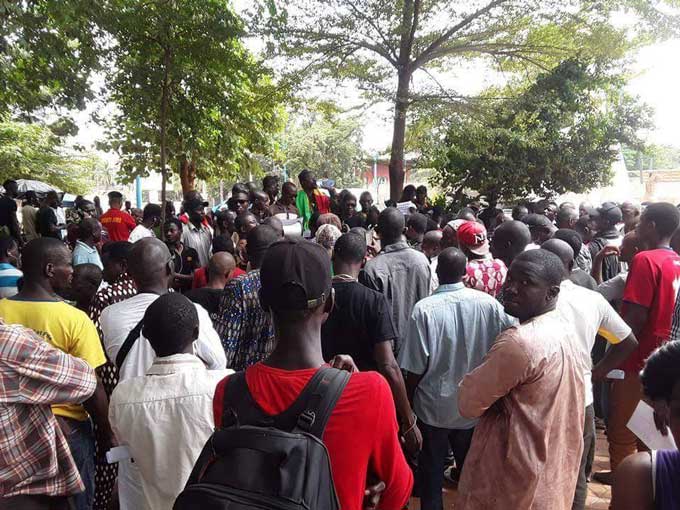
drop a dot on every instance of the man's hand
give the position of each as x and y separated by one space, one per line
607 251
662 416
344 362
412 441
373 492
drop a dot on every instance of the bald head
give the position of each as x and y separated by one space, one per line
432 243
451 266
220 267
148 263
390 225
563 251
509 240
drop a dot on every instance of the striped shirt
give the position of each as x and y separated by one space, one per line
34 455
9 276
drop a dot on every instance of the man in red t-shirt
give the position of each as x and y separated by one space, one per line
361 435
117 223
648 302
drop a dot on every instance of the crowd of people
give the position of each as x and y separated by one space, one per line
484 348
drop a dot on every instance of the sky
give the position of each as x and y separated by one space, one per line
656 80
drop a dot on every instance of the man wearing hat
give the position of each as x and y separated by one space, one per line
541 229
197 235
483 272
605 220
117 223
361 435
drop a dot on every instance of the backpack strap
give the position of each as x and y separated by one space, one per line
132 337
309 413
239 406
314 406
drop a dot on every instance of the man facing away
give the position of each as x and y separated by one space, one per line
591 315
399 272
150 266
648 302
361 325
165 416
296 290
432 247
151 219
245 329
483 272
38 471
528 393
47 271
117 223
449 334
220 270
8 210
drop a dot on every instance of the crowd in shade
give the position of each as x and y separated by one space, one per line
299 347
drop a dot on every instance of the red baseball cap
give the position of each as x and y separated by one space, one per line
472 235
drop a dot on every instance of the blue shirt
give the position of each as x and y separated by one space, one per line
84 254
448 335
9 276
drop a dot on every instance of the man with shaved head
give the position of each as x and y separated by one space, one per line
449 334
528 393
509 240
590 314
432 247
399 272
150 266
220 271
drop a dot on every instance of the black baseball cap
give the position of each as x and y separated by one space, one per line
537 220
295 275
611 212
192 204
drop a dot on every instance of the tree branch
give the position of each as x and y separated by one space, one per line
449 33
387 46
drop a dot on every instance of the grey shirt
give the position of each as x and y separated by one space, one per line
402 274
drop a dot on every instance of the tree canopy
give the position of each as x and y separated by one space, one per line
322 140
562 133
396 50
33 151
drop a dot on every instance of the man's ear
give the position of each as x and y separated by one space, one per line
553 292
195 333
49 270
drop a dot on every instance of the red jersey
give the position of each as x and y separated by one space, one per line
118 224
361 433
653 282
201 277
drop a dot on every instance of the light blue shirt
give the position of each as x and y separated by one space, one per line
449 334
84 254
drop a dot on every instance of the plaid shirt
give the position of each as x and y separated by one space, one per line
245 329
34 455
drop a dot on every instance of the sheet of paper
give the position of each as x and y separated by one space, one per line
642 425
404 207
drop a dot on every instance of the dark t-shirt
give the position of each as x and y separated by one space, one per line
610 264
207 298
47 218
360 319
8 209
186 263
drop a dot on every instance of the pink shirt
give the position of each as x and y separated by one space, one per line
487 275
529 394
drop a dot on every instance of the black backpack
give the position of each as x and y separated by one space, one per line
257 461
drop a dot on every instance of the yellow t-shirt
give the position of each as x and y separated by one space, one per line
66 328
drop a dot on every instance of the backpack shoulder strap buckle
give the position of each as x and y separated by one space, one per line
306 420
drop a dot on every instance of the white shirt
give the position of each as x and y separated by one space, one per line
590 314
140 232
612 289
200 239
119 319
434 279
165 418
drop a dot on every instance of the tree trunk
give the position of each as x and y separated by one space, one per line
396 167
165 99
187 175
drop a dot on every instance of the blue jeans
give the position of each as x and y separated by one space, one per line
80 439
436 442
